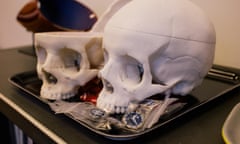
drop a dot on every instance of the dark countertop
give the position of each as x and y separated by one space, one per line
37 120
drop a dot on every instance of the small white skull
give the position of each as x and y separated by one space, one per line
151 47
66 61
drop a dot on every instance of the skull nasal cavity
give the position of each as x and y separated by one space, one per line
108 86
49 77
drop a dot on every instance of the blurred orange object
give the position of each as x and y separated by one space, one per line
90 91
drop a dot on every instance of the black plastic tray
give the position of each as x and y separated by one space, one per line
214 86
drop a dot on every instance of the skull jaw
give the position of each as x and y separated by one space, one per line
112 104
67 86
57 92
119 102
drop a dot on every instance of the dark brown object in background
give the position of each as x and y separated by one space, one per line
32 18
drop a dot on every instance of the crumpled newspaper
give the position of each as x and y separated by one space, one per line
139 117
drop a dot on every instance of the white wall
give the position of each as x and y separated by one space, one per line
98 5
223 13
226 19
12 34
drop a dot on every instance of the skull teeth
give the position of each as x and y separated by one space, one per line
57 96
119 109
115 109
111 108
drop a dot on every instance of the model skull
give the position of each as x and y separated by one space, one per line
154 46
66 61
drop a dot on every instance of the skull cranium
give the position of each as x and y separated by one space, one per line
154 46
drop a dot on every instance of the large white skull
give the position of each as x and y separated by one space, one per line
66 61
154 46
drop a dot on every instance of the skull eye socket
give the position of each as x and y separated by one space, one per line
133 70
71 59
41 54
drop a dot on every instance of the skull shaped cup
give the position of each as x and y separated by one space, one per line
66 61
153 47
